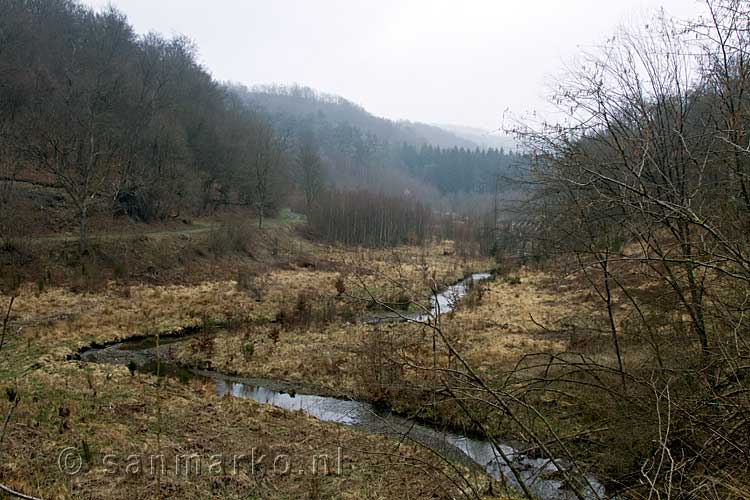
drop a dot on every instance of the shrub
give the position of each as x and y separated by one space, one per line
183 375
513 279
340 285
89 277
248 350
274 334
309 308
474 295
248 281
235 235
118 271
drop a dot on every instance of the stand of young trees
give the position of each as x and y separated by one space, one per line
644 191
124 123
369 219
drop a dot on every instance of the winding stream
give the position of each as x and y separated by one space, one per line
539 474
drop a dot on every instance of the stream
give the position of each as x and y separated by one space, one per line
539 474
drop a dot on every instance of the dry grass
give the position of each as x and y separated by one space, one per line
121 310
492 335
66 403
511 319
114 413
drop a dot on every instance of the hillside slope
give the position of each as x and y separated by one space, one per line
313 106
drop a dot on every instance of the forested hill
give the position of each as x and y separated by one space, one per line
362 150
315 108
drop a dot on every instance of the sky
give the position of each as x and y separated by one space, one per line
462 62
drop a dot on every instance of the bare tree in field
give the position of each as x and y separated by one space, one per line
310 171
262 167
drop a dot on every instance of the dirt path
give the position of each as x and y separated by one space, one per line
200 227
193 229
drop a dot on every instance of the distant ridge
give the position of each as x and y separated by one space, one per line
310 104
483 138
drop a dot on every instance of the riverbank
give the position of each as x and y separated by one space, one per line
111 425
493 332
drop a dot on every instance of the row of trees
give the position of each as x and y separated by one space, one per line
309 104
459 170
365 218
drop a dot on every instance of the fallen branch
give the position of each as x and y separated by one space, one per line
16 494
6 319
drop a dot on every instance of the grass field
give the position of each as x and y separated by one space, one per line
107 416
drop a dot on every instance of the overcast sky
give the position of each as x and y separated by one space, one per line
454 62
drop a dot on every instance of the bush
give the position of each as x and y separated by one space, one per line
340 285
89 277
474 295
310 308
398 300
248 281
235 235
248 350
513 279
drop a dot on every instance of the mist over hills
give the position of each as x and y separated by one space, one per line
483 138
305 102
309 104
363 150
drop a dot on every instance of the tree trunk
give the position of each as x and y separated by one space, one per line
82 229
611 316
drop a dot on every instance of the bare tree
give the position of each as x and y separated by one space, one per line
76 138
262 168
643 187
310 168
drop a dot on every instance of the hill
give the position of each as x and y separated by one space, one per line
313 106
361 150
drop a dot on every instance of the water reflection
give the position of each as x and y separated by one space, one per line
539 474
445 301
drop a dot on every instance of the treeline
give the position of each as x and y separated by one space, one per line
304 102
369 219
459 170
124 123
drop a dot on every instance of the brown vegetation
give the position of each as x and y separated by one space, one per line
235 285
